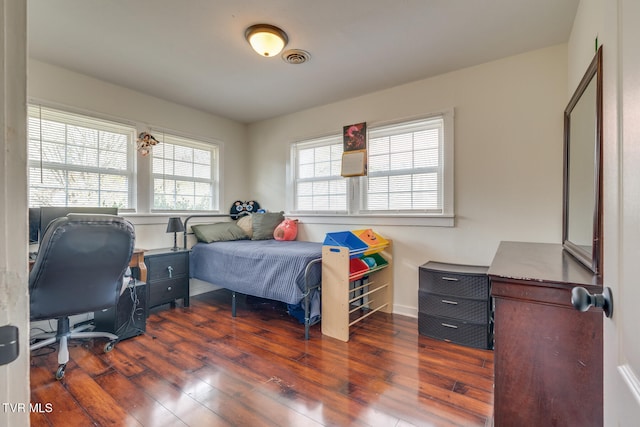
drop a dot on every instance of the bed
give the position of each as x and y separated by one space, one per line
286 271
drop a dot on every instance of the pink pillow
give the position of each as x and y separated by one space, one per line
286 230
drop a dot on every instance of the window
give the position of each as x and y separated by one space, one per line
409 172
318 185
405 168
184 174
76 160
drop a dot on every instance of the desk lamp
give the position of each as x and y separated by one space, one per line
175 226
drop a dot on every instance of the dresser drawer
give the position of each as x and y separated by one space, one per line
165 291
455 284
167 266
454 307
456 331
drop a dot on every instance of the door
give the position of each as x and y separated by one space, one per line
14 302
622 213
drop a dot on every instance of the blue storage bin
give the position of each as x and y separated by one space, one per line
346 239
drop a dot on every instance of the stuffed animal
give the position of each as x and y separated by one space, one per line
239 208
286 230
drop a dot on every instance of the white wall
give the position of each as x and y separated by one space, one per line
64 88
508 159
587 26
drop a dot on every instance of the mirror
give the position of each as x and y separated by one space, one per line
582 201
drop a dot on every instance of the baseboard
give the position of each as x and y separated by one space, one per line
405 310
197 287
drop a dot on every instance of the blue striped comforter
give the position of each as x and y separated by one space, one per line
264 268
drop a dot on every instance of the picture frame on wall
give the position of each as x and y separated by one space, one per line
354 156
355 137
354 163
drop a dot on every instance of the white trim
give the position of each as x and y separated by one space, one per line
448 190
82 112
405 310
631 380
376 220
155 218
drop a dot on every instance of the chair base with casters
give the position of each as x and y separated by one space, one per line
63 334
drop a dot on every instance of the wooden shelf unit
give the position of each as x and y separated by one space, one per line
349 298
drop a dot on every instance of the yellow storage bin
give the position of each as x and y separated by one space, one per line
374 241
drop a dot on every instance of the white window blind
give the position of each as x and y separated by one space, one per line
184 174
405 168
318 185
75 160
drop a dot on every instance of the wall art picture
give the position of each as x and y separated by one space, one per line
354 156
355 137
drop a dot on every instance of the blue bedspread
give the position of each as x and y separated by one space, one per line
264 268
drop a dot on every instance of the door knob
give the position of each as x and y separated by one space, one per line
582 300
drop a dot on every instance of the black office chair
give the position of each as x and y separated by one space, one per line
79 269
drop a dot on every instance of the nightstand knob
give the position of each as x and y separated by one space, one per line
170 272
168 288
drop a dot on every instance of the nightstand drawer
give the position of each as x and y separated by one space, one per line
456 331
165 291
454 284
167 266
454 307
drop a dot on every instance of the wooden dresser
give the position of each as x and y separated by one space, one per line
547 355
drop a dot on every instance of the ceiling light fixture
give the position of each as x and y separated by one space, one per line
267 40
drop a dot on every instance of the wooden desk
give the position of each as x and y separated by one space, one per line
137 260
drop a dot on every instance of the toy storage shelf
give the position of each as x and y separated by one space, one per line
352 290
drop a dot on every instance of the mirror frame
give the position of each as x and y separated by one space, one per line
592 260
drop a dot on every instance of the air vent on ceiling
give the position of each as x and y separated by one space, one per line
296 56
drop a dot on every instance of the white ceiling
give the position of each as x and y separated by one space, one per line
193 52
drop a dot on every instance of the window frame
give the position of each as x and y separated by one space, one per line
94 122
356 213
214 147
294 150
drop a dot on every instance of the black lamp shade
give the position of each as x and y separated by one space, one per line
175 225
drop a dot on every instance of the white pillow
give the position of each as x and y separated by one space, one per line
246 223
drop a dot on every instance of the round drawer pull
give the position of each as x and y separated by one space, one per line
169 288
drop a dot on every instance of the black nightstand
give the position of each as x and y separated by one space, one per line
167 276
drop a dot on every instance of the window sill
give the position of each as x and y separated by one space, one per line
155 218
399 220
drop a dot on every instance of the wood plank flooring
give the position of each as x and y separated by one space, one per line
198 366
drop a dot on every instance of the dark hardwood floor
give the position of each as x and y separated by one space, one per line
198 366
